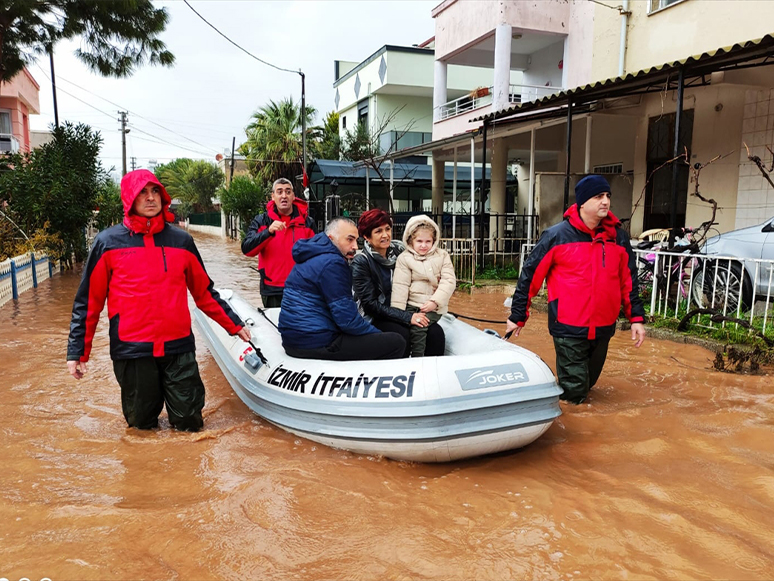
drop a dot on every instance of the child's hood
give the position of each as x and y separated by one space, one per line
421 221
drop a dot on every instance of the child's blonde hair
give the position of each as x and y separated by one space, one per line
416 231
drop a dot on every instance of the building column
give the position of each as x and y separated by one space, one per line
502 67
587 160
439 89
499 174
439 179
531 198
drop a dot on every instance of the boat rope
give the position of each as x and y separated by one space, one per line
475 319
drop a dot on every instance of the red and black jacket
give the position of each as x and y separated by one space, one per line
590 276
275 260
143 268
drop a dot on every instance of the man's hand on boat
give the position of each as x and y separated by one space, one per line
76 368
419 320
511 329
244 334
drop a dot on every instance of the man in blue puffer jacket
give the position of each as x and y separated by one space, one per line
319 318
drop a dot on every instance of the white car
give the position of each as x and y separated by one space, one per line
735 269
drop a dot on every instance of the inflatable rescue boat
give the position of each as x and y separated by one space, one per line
484 396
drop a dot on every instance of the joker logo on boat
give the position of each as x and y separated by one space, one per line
493 376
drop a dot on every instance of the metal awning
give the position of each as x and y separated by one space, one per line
696 70
323 171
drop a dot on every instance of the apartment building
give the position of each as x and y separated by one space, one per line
18 100
604 88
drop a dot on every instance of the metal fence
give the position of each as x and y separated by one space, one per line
674 283
22 273
498 237
206 219
463 256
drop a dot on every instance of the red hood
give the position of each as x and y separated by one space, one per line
609 222
300 205
131 185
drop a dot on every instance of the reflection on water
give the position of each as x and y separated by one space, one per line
668 472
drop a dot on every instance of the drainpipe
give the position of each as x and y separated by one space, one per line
624 26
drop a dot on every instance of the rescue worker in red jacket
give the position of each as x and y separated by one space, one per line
591 273
271 236
143 268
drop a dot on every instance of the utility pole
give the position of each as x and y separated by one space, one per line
124 131
231 176
134 163
53 83
303 122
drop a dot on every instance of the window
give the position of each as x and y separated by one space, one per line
5 122
611 168
398 140
654 5
8 142
362 112
343 121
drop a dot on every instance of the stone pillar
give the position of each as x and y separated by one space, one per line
439 89
439 168
502 67
499 173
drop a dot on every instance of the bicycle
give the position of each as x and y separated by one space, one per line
675 273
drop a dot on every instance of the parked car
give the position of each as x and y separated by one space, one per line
734 272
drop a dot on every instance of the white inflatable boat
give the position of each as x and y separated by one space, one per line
484 396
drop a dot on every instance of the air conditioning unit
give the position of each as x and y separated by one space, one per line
8 143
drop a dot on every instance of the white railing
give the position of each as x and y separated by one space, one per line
463 255
526 93
483 97
741 288
22 273
698 281
465 104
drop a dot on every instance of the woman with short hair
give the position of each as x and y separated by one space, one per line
372 271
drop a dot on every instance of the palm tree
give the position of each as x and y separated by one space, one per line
194 182
273 148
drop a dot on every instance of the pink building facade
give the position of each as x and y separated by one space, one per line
18 100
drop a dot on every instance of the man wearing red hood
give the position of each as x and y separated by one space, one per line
591 275
143 268
271 236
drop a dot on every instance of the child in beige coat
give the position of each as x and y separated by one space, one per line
424 279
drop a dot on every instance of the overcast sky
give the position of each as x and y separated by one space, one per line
194 108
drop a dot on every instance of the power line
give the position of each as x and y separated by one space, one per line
133 113
160 139
76 98
164 141
236 45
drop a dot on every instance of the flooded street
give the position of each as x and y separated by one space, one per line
668 473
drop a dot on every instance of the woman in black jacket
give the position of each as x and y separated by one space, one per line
372 271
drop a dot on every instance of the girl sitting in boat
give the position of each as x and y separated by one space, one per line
424 278
372 271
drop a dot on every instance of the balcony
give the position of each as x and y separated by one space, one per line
8 143
482 97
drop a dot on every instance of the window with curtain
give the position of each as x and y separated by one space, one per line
5 122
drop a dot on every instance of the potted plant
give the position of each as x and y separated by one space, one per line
482 91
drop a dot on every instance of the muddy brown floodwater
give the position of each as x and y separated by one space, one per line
668 473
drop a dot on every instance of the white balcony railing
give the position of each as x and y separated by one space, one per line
8 143
465 104
527 93
483 97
